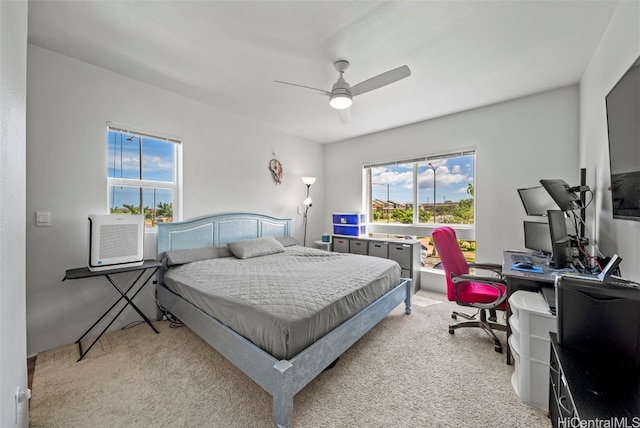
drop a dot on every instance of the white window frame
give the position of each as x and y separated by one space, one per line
463 231
175 187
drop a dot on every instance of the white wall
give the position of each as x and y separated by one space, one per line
517 143
618 49
225 170
13 82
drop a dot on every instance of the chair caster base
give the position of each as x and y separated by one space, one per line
483 323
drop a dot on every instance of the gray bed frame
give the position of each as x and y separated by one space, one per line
280 378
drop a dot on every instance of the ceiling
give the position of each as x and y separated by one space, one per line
462 54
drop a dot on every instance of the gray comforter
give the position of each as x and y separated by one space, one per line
284 302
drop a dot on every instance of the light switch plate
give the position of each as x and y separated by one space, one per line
43 218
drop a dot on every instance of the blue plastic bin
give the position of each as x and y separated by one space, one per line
353 218
351 230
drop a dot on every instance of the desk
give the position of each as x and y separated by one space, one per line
521 280
585 389
148 265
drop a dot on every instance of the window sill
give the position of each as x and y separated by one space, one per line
463 231
433 280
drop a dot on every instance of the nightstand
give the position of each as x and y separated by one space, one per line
322 245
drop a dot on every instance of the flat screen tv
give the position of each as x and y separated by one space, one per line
536 201
623 123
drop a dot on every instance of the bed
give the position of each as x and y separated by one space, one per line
280 347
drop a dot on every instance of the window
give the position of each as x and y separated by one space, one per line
442 189
143 174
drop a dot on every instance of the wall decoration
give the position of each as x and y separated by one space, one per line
276 170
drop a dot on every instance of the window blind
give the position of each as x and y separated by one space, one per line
467 152
142 133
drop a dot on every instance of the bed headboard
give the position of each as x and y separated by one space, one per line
218 229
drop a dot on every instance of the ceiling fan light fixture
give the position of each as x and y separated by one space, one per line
342 93
340 101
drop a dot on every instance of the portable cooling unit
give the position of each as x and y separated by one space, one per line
115 241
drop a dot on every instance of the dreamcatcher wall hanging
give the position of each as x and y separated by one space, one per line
276 170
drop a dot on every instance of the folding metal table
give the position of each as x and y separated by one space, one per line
148 266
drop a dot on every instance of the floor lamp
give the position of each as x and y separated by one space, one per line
308 181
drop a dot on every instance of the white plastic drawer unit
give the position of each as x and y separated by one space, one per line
402 254
358 246
530 322
379 249
340 245
530 379
515 329
533 315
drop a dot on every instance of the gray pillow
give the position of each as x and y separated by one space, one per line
180 257
287 241
249 248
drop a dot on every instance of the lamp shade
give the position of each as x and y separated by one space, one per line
340 101
307 202
308 180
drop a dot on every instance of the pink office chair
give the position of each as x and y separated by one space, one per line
485 293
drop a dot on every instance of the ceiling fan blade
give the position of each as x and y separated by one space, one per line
327 93
381 80
345 115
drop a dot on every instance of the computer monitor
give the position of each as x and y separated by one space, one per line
536 201
537 237
560 239
560 191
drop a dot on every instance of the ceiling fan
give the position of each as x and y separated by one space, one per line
341 94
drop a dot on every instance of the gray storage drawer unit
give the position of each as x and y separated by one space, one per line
379 249
340 245
402 254
358 246
406 253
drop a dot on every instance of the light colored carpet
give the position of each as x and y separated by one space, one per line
407 372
